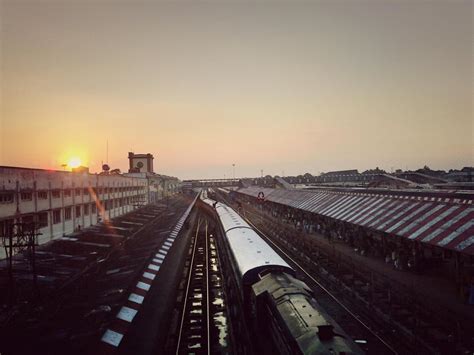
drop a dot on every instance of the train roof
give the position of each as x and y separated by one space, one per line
314 331
251 253
229 218
208 201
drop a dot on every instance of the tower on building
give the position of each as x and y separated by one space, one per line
140 163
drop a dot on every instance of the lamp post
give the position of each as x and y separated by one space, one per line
233 171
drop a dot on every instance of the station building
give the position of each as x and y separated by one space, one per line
158 186
60 202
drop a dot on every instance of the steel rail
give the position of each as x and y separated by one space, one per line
321 286
208 291
191 264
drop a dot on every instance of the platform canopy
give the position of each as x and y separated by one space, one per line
444 219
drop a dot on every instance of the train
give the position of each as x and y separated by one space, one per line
280 309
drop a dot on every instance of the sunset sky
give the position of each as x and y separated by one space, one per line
285 86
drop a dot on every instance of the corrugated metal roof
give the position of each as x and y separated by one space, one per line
444 222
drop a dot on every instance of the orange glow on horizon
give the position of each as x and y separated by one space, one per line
74 162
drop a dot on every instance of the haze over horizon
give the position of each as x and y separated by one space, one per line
280 86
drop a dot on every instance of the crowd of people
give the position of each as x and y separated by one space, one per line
401 253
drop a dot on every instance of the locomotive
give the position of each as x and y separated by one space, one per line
279 309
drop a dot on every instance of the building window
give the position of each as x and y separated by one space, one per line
6 227
56 216
42 195
78 192
27 219
78 211
86 191
26 196
86 210
67 213
56 193
67 193
6 197
43 219
93 208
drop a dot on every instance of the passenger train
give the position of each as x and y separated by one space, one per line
279 308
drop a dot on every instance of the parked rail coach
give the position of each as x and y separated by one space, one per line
280 309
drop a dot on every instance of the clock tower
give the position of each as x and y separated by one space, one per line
140 163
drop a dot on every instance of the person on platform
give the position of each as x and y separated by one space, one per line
471 292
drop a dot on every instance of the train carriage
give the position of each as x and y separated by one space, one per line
280 308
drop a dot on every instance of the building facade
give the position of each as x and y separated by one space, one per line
60 202
158 186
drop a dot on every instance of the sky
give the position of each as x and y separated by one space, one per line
286 87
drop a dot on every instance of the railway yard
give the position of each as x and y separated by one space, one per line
236 177
372 302
85 282
175 278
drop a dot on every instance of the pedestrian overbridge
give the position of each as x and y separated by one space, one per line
212 183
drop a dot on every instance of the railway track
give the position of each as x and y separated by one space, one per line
364 334
393 312
79 306
403 315
203 325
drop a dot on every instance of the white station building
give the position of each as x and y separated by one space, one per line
62 202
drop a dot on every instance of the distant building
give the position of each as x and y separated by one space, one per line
342 172
81 169
140 163
158 186
466 174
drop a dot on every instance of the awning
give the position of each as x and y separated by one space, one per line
440 221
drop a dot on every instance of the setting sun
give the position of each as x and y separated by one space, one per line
74 163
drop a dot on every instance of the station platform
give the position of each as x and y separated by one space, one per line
432 289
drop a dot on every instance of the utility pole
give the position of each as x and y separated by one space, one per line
21 237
